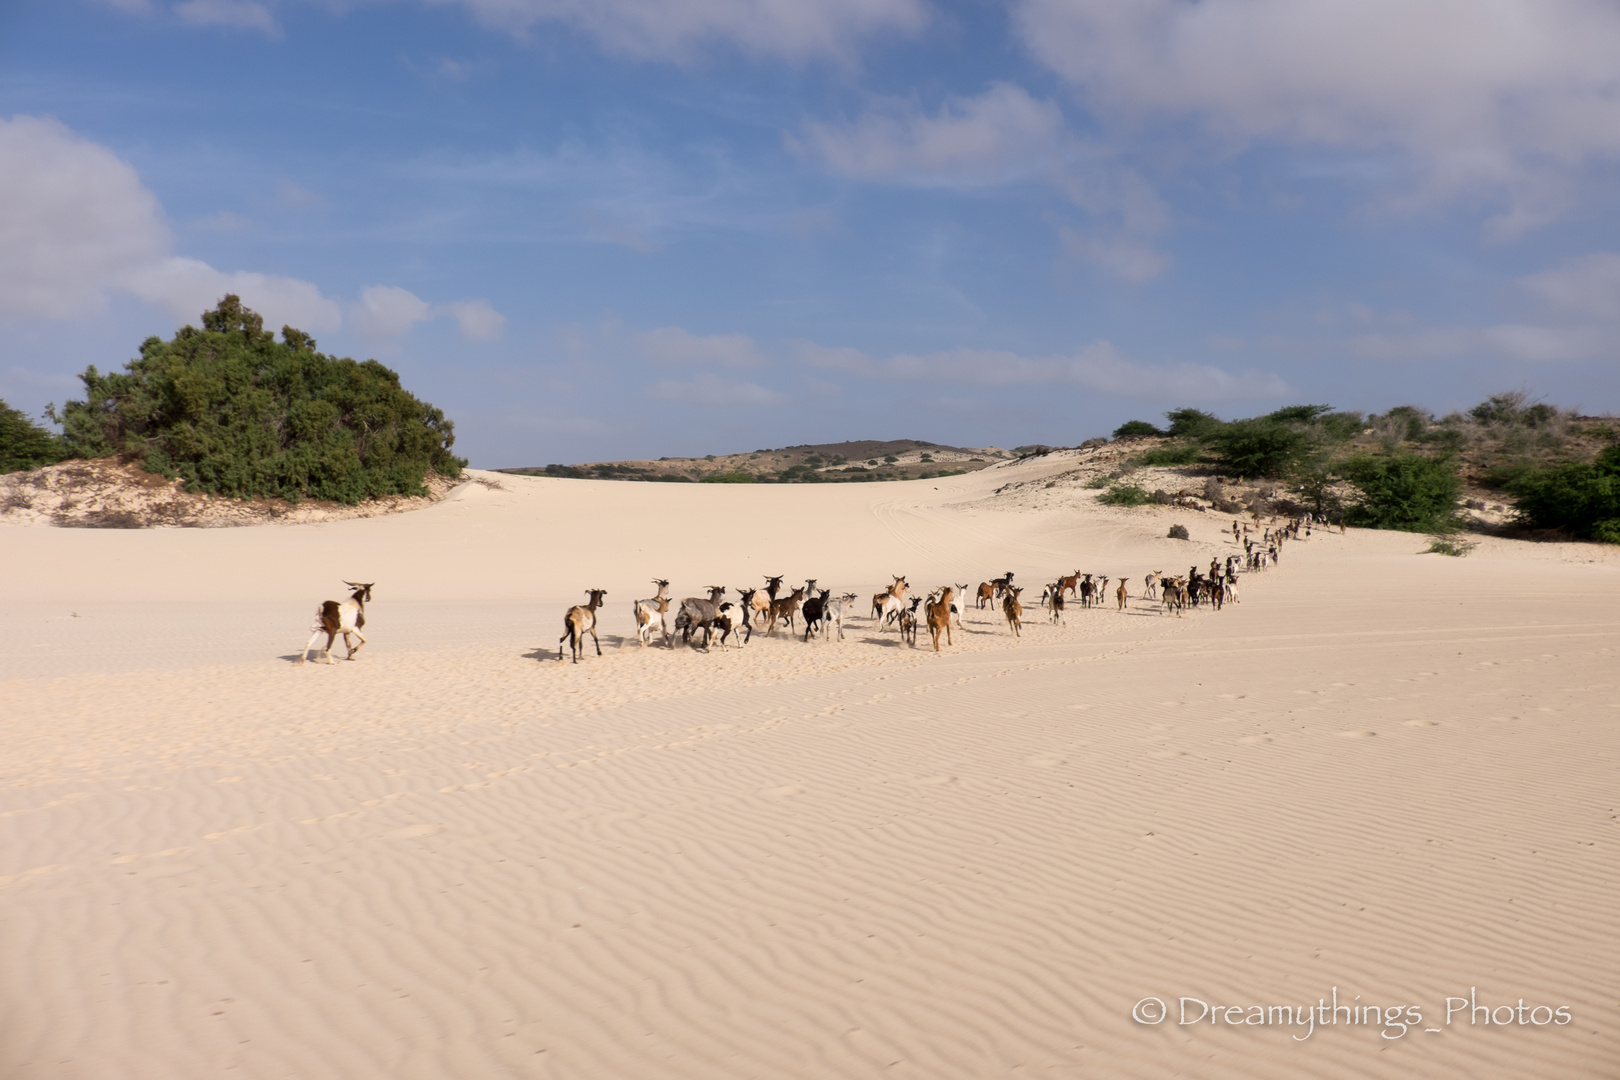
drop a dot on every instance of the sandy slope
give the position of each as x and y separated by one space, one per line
1388 773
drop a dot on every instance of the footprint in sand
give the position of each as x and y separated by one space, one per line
412 832
1255 739
1040 762
1363 734
1422 723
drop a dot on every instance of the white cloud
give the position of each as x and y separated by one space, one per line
1125 256
235 14
76 223
1501 98
795 30
185 288
1098 367
73 218
388 311
1589 285
477 319
1505 341
711 389
1001 134
673 345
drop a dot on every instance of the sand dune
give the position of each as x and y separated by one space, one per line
1383 772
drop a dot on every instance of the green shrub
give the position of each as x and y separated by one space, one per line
1260 448
1409 492
1125 495
1097 483
1298 414
1135 427
1182 453
737 477
1191 423
1582 498
25 444
1445 545
234 412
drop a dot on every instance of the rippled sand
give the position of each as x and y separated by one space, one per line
1389 773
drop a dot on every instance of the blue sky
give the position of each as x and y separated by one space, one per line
628 228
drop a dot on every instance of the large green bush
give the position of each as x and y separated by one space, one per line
1191 423
1262 447
1582 498
233 411
1135 427
1409 492
25 444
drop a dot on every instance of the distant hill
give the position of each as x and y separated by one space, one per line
820 463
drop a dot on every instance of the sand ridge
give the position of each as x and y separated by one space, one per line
1382 772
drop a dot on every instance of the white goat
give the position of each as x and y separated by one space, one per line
652 616
333 618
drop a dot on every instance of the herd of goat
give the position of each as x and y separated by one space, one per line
822 613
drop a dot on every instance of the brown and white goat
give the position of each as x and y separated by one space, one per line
886 606
762 604
652 616
344 617
986 595
1054 596
581 620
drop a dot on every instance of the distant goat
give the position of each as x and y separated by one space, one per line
1150 585
1122 594
335 617
580 620
986 595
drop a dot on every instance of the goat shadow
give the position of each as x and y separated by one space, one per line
544 653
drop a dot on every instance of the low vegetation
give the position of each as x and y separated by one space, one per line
1125 495
823 463
1405 469
232 411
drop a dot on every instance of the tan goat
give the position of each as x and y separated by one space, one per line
581 620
